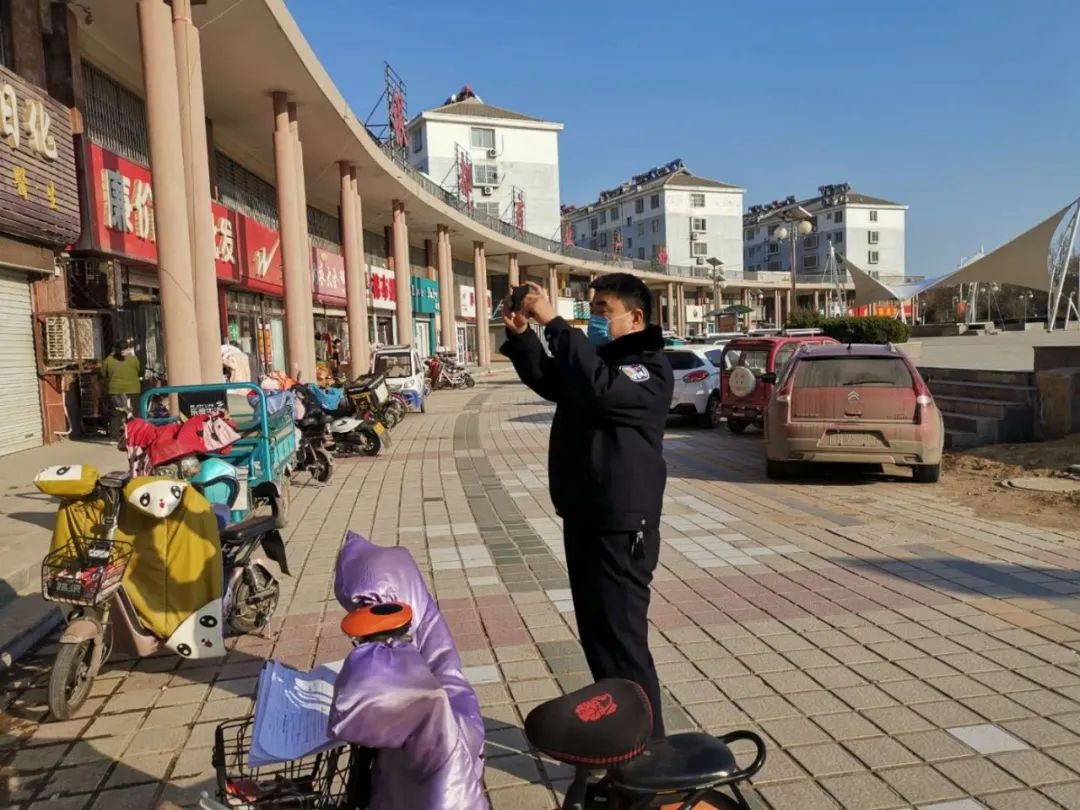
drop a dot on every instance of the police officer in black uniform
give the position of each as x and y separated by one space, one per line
606 469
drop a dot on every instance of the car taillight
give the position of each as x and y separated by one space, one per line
924 400
696 376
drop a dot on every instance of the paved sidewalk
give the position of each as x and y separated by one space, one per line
895 650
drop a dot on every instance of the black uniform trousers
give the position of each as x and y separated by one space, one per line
610 588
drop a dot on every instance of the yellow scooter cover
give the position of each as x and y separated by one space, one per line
175 578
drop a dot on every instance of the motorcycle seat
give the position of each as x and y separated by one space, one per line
384 620
686 762
247 530
600 725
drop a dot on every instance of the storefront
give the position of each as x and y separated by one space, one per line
39 214
119 208
425 306
466 324
331 324
383 306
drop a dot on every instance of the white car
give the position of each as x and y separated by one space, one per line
697 381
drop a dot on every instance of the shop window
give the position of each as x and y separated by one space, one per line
324 230
115 117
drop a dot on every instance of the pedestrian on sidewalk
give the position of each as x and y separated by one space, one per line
606 469
122 373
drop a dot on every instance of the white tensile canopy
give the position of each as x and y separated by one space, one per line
1021 261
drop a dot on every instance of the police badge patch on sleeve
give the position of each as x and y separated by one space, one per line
636 372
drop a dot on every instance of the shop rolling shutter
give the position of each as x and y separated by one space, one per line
20 427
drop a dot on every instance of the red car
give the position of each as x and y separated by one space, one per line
857 404
750 368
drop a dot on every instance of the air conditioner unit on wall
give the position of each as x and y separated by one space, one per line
699 260
487 190
693 236
491 153
58 344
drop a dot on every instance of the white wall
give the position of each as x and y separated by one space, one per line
528 159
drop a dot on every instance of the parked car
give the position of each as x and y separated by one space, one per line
404 372
860 404
750 369
697 381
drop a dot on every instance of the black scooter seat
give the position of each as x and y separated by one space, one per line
248 530
684 762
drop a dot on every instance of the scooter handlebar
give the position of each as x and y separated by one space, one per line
759 758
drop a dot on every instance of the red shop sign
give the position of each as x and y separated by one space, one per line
383 288
121 223
328 276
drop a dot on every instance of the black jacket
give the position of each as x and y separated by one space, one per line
606 465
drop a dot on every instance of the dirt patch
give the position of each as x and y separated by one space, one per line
972 477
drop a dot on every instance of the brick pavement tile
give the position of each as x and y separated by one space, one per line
93 750
692 692
920 784
996 707
138 798
505 742
987 738
1018 800
864 791
725 667
910 692
202 735
788 682
158 739
880 752
67 803
1033 768
1045 702
523 670
819 702
1067 795
510 770
826 759
230 709
522 652
1040 732
794 731
80 779
978 642
766 662
847 726
969 662
720 716
934 746
854 654
947 713
896 719
169 717
58 732
779 767
788 642
535 690
126 700
863 697
977 775
767 708
804 795
38 758
530 797
137 768
1004 682
959 686
748 686
923 668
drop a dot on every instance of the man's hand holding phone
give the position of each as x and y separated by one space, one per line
523 302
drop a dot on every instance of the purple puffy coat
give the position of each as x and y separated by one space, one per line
409 699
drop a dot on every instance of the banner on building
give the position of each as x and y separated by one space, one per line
328 276
383 288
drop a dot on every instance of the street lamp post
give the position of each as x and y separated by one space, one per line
797 223
1025 297
717 275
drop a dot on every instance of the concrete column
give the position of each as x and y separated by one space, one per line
447 308
170 204
297 274
790 308
365 286
401 274
352 246
483 356
777 314
512 269
429 259
817 300
553 286
197 189
301 204
669 297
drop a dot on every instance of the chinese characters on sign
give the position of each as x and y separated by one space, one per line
465 179
328 276
129 205
383 288
568 234
224 240
519 210
397 118
38 194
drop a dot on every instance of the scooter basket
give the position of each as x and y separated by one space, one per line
86 571
331 780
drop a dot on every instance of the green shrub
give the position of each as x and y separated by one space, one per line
850 329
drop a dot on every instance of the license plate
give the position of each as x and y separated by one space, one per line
854 439
380 428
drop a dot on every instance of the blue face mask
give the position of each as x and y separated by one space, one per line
599 330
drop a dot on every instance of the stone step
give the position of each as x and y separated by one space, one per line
984 428
976 375
25 622
1016 422
1022 394
960 440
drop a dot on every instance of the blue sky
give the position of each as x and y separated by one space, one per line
969 112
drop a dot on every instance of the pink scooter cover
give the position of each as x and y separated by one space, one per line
409 699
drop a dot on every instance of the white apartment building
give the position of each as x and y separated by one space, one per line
510 152
667 208
869 231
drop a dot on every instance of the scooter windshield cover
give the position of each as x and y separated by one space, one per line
409 699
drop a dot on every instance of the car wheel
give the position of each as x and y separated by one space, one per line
710 418
927 473
777 469
736 426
